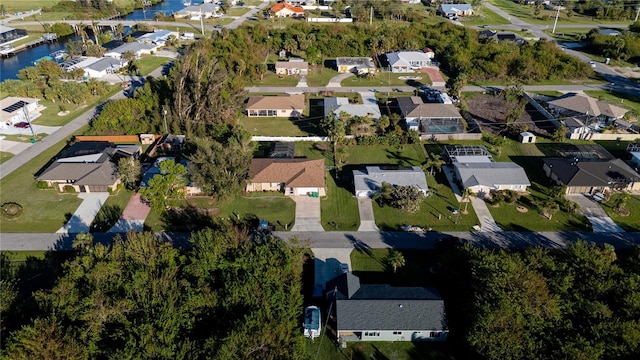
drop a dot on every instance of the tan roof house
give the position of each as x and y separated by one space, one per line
288 106
294 177
580 104
282 9
292 67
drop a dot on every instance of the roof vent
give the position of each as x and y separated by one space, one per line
400 305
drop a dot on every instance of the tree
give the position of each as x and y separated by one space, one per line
560 134
455 84
383 123
516 102
221 169
395 260
467 194
434 161
165 188
549 207
405 198
129 171
620 202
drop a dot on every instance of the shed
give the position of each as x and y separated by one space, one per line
527 137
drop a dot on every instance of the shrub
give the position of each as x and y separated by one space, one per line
42 185
11 210
69 189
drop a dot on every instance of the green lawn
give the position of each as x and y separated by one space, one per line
272 79
547 17
4 156
275 207
387 79
147 64
236 11
268 126
313 150
44 210
482 16
549 93
49 116
615 98
21 256
408 155
371 267
630 222
340 207
13 6
111 210
320 76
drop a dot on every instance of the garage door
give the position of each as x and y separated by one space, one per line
305 190
98 188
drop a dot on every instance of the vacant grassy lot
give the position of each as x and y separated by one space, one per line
373 268
320 76
268 126
339 208
387 79
149 63
626 101
630 222
547 17
482 16
275 207
13 6
408 155
44 210
4 156
272 79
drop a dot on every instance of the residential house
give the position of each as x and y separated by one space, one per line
574 104
357 65
575 128
341 104
136 48
158 37
292 67
453 10
282 9
194 12
475 169
590 176
408 61
103 66
385 312
89 166
634 151
9 35
430 118
288 106
369 181
491 35
294 177
18 109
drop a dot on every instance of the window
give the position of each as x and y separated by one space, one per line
372 333
397 333
435 334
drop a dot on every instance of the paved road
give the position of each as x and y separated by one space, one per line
358 240
238 21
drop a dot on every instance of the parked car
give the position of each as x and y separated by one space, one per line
22 125
593 64
344 268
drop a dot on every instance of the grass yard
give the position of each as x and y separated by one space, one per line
434 213
314 150
49 116
387 79
149 63
21 256
4 156
320 76
275 207
339 208
273 79
236 11
371 266
547 17
44 210
482 16
268 126
111 211
626 101
630 222
549 93
13 6
408 155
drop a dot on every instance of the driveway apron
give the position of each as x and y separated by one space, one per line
133 216
367 219
307 214
85 213
600 221
327 263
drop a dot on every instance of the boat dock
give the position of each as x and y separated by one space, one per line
46 38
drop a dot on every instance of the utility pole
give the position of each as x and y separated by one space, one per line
637 14
164 115
201 22
555 23
371 16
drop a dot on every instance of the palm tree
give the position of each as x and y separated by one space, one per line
550 207
82 241
434 160
396 260
467 194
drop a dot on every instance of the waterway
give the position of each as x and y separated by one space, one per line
9 67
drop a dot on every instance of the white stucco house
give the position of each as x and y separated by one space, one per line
369 181
18 109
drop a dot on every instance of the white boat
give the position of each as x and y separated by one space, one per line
312 322
187 3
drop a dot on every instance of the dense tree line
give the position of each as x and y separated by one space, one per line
604 9
228 297
579 303
625 46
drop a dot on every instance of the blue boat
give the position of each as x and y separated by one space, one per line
43 58
312 320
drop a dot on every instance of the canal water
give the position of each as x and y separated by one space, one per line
9 67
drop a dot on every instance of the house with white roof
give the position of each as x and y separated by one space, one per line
194 12
138 49
453 10
408 61
341 104
158 37
369 181
18 109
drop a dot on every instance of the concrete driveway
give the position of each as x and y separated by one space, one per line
14 147
367 219
327 263
307 214
38 129
337 80
600 221
85 213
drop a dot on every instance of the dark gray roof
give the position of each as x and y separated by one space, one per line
346 285
412 106
98 173
491 174
362 315
105 63
588 172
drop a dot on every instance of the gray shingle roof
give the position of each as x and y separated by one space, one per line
371 179
491 174
390 315
590 172
413 106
